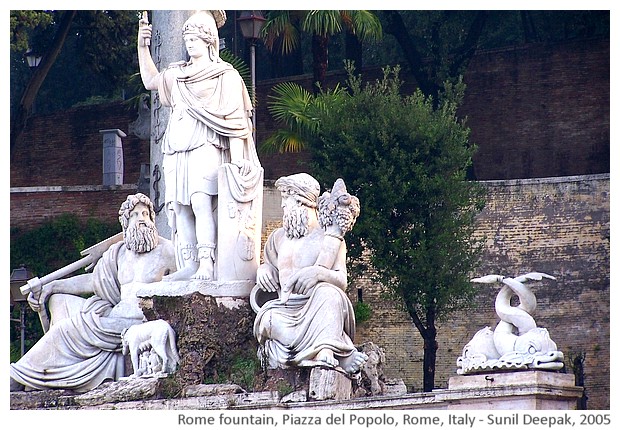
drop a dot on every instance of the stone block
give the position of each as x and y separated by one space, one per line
329 384
530 389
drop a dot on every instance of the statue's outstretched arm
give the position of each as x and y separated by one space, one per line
76 285
148 70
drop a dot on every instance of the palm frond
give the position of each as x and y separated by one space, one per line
365 25
279 30
290 105
322 22
283 140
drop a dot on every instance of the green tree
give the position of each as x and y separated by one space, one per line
405 158
283 31
76 46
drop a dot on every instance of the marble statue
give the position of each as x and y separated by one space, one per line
208 139
310 322
516 342
158 341
82 347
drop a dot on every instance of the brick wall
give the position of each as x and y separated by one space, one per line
32 206
540 110
66 148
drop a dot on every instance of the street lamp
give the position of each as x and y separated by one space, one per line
32 59
251 22
20 277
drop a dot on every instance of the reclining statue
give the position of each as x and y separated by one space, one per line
82 347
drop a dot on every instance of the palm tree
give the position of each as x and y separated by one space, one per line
297 110
282 32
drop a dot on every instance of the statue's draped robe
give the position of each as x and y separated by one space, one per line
78 353
209 106
322 320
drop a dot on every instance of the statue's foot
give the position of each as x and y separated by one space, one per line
203 275
205 270
183 274
354 362
327 356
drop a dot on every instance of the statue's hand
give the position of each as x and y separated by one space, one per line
37 300
267 279
244 166
305 279
144 31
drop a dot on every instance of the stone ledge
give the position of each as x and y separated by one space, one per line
504 379
509 397
206 288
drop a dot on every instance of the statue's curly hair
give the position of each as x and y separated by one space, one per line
130 203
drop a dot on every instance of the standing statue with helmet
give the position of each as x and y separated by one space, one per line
208 139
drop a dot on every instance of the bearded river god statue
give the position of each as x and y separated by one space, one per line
516 343
304 318
89 312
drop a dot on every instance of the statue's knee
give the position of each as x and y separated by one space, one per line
330 294
201 202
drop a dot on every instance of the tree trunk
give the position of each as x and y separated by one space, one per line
429 335
20 118
395 26
353 50
430 350
467 50
319 60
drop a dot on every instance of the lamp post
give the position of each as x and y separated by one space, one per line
32 59
19 277
251 22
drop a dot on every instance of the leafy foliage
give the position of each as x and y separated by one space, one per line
23 22
362 311
298 112
57 242
99 47
406 161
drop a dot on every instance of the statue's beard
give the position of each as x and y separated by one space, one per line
141 237
295 222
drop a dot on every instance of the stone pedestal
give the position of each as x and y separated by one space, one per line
529 389
329 384
113 164
213 322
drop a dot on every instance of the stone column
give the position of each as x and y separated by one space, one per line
167 47
113 165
